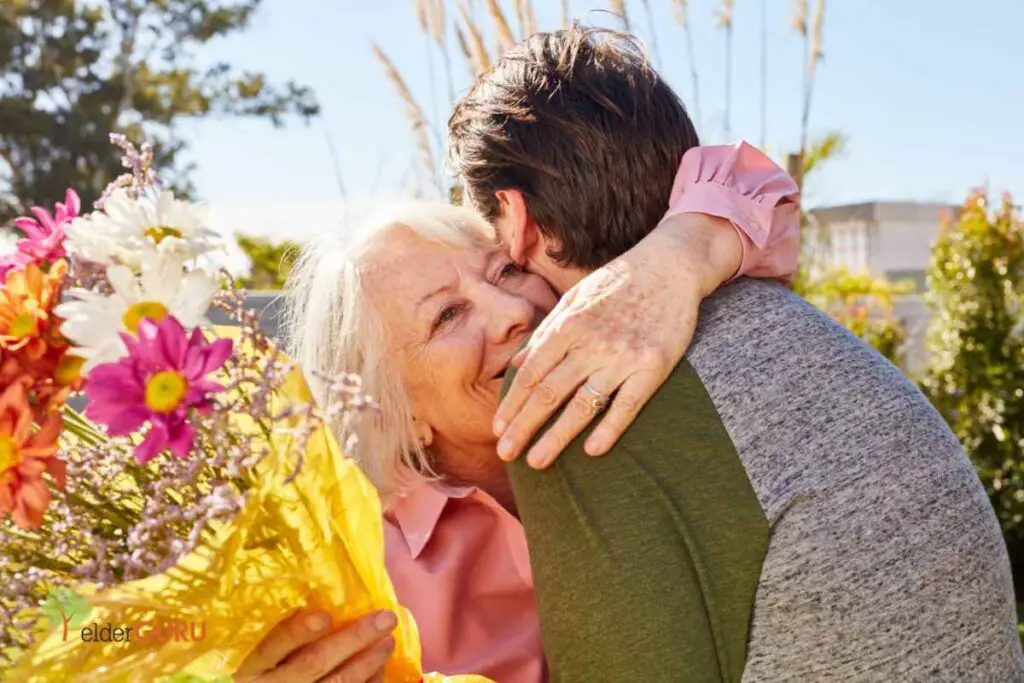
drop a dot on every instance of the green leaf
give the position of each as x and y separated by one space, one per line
64 603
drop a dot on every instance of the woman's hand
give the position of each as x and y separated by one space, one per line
621 330
302 649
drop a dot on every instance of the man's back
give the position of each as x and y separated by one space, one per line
885 559
785 477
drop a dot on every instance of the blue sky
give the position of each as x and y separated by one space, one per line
929 92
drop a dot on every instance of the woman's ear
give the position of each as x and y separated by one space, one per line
516 226
423 431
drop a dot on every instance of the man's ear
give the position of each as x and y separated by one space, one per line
423 431
517 227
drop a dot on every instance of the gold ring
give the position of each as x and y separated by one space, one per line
598 401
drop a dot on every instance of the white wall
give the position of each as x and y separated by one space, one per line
914 313
901 246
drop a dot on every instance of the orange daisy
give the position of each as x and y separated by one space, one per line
26 302
24 457
61 375
49 378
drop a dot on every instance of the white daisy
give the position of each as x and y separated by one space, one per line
127 228
93 321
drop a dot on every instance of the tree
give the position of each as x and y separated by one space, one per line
976 347
860 302
270 263
72 72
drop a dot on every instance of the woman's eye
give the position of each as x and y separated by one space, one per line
511 268
446 315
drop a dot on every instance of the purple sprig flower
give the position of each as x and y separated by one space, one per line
138 162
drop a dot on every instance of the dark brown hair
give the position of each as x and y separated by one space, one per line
579 122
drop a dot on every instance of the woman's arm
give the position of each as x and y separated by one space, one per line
739 184
624 327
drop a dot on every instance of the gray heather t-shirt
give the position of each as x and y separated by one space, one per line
885 560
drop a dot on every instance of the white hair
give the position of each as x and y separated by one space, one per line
332 327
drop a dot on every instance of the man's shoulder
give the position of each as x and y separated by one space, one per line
756 321
751 303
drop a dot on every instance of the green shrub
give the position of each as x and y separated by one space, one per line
975 376
270 263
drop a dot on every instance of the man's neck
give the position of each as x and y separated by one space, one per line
562 279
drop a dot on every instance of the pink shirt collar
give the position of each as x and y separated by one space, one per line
418 511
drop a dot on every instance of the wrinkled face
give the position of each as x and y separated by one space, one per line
455 317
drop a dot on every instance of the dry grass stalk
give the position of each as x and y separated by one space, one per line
798 17
723 17
436 19
764 73
652 30
525 18
681 8
420 127
816 35
566 16
464 48
812 55
619 7
724 21
502 30
519 8
479 58
531 19
420 6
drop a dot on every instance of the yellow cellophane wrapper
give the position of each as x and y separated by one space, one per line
316 542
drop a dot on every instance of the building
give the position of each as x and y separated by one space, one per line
887 239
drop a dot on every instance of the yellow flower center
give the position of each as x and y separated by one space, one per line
154 310
159 234
165 391
9 456
22 326
69 369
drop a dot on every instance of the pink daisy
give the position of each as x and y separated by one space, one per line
44 234
163 377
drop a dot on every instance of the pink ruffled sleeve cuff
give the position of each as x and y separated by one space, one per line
742 185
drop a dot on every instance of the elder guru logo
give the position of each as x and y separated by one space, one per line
70 612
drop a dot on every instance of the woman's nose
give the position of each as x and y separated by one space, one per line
511 315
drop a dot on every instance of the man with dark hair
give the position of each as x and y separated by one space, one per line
785 478
582 189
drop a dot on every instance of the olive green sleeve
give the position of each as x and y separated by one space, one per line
646 560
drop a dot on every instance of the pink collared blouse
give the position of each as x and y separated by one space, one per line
458 560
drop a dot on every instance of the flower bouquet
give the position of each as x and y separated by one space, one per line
202 496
